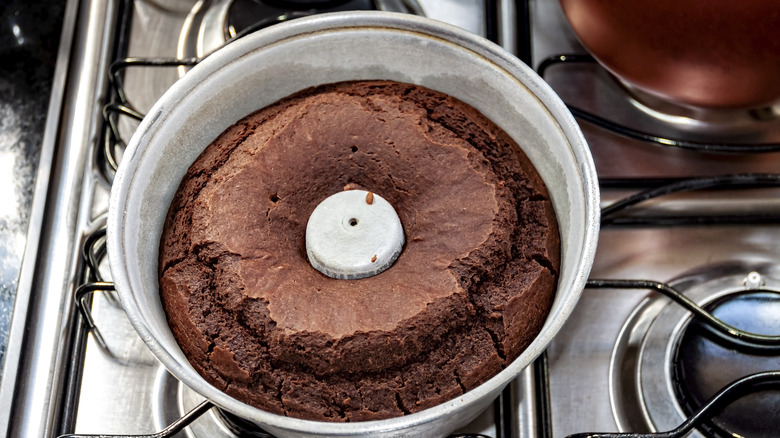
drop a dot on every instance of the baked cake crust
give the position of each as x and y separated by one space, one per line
469 292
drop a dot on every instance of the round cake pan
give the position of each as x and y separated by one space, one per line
266 66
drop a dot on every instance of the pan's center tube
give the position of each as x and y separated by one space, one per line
353 234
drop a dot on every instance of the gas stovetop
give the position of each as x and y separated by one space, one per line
685 210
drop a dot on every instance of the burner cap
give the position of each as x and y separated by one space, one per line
704 364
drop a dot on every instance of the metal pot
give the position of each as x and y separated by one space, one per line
700 53
276 62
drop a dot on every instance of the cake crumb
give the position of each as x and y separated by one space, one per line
373 259
370 199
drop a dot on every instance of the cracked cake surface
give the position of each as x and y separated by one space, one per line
470 290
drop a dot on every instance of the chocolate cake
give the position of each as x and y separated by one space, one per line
470 290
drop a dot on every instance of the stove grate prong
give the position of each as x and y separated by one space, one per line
121 106
83 293
174 428
743 180
737 338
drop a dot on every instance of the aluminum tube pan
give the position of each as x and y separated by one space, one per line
266 66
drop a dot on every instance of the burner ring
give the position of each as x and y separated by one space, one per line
713 121
208 25
699 371
642 391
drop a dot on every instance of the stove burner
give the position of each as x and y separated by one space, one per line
695 119
250 15
704 365
631 113
646 381
212 23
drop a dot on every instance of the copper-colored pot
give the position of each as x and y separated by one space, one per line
702 53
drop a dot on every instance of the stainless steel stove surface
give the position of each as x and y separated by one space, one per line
615 366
